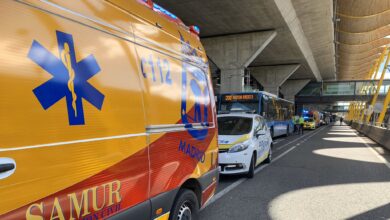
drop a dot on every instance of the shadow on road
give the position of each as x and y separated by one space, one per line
330 177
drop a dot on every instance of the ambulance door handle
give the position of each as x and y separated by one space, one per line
6 167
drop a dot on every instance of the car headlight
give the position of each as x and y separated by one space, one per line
238 147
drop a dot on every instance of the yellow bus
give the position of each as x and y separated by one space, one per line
106 110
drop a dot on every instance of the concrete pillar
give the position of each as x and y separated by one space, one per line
287 10
233 53
291 87
272 77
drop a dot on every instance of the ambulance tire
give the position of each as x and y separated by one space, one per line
186 206
251 172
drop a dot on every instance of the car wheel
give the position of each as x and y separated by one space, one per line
269 158
185 207
251 171
272 132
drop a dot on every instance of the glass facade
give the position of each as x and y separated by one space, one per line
338 88
344 88
311 89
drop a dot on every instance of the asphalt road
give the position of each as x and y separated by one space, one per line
329 173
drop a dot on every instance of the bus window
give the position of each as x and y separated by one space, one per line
291 110
279 109
264 106
286 111
272 114
237 106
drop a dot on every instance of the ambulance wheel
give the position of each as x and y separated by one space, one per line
185 206
269 158
251 171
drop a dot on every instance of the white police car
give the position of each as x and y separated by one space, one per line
244 142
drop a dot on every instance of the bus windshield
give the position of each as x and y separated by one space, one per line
240 107
240 103
234 125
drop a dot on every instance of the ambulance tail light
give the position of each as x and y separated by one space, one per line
195 29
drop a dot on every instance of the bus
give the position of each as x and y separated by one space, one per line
278 112
107 112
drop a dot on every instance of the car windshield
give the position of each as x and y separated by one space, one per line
309 120
234 125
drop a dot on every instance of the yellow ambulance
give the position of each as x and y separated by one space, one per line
106 111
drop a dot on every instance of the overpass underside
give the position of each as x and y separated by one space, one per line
263 44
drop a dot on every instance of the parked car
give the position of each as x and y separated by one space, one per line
310 123
244 142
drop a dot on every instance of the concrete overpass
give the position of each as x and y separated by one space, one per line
283 44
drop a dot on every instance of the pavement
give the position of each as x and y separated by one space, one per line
329 173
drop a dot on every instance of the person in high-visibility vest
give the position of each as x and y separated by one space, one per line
301 122
293 122
296 123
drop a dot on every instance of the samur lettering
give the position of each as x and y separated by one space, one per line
92 203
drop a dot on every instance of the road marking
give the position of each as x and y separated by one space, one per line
295 140
258 169
275 159
279 140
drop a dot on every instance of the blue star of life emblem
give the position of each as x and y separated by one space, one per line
70 78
